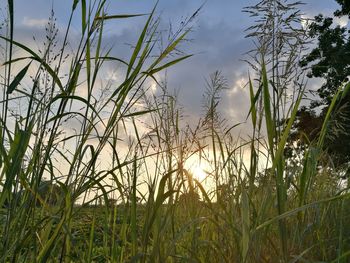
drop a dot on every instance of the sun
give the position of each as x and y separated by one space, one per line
198 172
197 167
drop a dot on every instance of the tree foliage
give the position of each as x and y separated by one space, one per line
329 60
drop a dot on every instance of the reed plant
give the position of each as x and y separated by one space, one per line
95 171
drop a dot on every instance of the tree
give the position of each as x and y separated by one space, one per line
330 60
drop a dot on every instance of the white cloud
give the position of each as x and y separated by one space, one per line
238 86
34 22
306 20
341 21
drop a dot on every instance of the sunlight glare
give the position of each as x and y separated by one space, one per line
198 172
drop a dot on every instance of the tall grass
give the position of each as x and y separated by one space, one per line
116 187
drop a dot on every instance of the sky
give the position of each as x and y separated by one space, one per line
217 41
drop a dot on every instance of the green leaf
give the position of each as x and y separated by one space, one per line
283 139
83 15
37 58
168 50
75 3
74 80
105 17
73 97
253 100
139 43
245 224
346 90
137 113
17 79
173 62
267 106
14 159
301 208
327 119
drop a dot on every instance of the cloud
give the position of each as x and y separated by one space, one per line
306 20
34 22
342 21
217 42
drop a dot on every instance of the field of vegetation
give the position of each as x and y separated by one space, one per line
97 171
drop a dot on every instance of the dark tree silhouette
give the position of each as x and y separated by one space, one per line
330 60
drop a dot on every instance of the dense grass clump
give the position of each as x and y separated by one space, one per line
94 171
